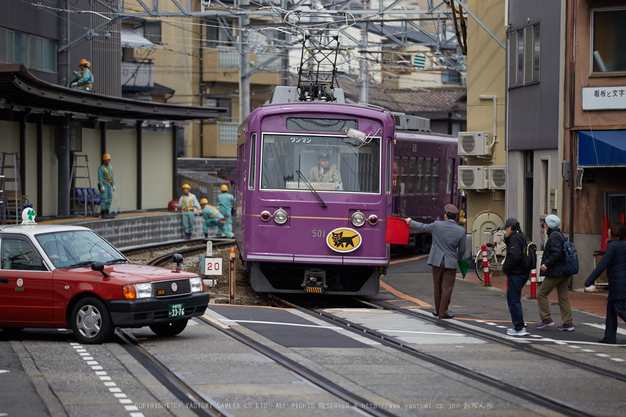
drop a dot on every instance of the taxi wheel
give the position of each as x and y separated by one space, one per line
171 328
90 321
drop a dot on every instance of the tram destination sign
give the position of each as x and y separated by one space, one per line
604 98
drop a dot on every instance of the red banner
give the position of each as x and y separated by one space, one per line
397 231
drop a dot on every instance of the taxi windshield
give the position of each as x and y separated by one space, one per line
77 248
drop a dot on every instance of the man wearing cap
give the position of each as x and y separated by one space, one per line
448 247
517 275
106 183
190 205
552 263
324 171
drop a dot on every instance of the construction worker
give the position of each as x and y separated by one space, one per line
226 207
83 79
106 183
190 206
213 217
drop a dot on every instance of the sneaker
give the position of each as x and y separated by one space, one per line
568 327
513 332
547 322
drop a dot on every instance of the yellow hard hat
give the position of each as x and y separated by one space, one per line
204 201
186 186
224 187
83 62
106 157
88 64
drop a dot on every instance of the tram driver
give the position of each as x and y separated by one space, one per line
324 171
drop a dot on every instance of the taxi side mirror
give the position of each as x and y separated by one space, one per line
99 266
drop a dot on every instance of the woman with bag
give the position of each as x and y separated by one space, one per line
614 261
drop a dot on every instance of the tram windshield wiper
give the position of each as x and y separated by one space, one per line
308 184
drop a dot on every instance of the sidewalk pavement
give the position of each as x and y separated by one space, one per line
594 302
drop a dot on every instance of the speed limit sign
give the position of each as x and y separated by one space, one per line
213 266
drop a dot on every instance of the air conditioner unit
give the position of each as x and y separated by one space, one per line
474 143
473 177
497 177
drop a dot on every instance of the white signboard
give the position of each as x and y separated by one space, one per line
213 266
604 98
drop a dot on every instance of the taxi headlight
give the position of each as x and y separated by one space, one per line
280 216
357 219
144 290
196 284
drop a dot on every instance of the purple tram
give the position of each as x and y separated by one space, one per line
298 229
424 169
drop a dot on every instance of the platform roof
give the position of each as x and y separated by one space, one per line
20 90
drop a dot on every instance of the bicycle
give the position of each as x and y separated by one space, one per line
496 254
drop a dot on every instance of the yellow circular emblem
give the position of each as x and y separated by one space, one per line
343 240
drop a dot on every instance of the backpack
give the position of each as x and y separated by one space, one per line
571 257
529 256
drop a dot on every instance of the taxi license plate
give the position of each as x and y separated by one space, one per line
175 310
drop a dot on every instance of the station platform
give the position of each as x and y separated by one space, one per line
133 229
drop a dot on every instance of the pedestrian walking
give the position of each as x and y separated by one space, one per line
213 217
448 247
614 261
106 183
190 205
226 208
516 273
551 268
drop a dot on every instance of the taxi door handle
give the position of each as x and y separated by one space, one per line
4 280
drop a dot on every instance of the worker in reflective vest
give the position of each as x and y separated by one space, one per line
106 183
212 217
190 206
83 79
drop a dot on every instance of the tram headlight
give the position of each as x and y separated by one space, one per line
280 216
265 215
373 219
357 219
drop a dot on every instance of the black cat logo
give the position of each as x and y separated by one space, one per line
339 240
343 240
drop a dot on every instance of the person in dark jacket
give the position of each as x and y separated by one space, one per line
551 268
517 275
614 261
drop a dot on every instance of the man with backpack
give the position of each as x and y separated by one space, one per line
517 274
552 268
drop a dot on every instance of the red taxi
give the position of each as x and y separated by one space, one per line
68 276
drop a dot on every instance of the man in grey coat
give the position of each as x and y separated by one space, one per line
447 249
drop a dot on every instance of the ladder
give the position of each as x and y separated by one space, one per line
11 194
81 197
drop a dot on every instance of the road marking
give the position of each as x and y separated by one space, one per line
404 296
2 371
112 386
602 326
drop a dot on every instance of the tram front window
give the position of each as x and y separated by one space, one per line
329 163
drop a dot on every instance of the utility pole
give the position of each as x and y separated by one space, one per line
244 63
363 79
64 38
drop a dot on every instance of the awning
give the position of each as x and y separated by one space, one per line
131 39
602 148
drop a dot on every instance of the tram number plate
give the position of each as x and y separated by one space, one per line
175 310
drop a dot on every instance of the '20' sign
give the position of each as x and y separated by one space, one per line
213 266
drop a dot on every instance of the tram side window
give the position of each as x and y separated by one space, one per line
412 175
449 176
435 188
405 172
420 176
252 170
428 172
396 175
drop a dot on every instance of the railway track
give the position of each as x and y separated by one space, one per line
530 395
